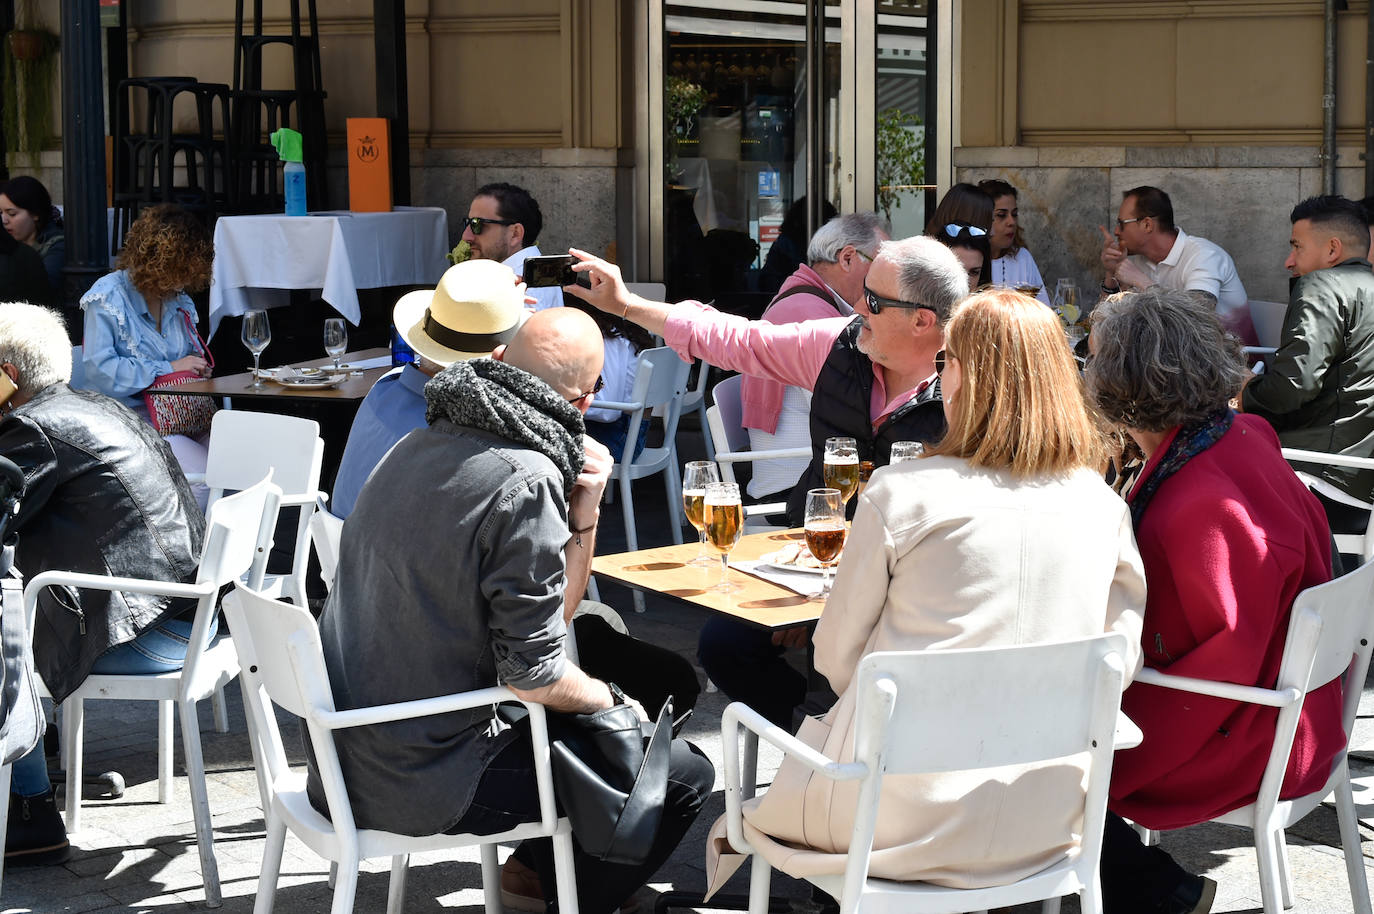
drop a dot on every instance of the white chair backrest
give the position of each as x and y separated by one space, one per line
325 532
727 400
1341 641
1267 316
245 445
1345 542
238 533
660 380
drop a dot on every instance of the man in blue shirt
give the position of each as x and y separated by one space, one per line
477 306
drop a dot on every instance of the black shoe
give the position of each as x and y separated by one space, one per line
1192 896
35 835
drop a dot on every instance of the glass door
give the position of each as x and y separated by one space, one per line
904 115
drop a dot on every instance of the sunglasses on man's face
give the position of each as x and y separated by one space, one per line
940 358
876 303
477 223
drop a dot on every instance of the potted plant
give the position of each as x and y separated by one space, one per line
28 68
901 157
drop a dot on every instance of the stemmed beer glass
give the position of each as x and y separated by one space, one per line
841 467
724 513
335 340
257 333
696 476
825 531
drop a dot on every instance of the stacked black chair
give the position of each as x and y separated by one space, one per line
258 110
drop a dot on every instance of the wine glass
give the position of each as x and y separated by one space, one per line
906 450
825 531
257 333
335 339
724 514
696 476
1065 301
841 468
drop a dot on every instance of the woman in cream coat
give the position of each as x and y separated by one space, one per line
1003 534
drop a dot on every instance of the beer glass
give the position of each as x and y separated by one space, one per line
906 450
825 531
841 467
696 476
724 514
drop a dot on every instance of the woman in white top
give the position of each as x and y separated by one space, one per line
1012 264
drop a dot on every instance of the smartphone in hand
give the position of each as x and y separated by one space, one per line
554 270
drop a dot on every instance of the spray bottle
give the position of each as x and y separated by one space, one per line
288 146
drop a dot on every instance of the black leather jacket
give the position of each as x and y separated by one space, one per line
103 495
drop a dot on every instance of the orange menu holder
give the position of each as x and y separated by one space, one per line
369 165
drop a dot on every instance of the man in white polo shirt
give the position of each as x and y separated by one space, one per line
1147 249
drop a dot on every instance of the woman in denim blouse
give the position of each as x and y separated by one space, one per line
139 318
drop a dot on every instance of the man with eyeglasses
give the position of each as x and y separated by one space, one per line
503 223
1147 249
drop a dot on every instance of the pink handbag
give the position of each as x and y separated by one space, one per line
181 414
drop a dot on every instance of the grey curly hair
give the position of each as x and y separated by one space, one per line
1161 359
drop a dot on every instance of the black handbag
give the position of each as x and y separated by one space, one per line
610 771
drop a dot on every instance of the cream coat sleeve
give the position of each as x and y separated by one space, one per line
856 601
1126 599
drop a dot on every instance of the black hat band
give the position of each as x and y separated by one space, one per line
465 342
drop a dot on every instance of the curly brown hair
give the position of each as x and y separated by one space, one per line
167 251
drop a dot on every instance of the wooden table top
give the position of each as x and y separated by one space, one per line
355 387
665 570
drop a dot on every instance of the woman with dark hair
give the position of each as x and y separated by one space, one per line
970 244
140 323
962 204
1229 537
1013 267
29 216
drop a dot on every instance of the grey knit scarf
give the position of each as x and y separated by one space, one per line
515 405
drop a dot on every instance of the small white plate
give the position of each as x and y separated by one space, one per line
333 380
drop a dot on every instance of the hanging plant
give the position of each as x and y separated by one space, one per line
28 67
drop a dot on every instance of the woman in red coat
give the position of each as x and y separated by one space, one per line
1228 537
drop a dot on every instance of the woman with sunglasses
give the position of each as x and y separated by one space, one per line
1030 545
970 244
1013 267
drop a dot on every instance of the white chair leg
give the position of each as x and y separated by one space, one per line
255 746
345 887
396 891
4 810
72 738
627 511
760 877
64 748
271 864
165 712
563 873
221 711
593 592
200 802
671 481
1050 905
333 879
491 880
1285 878
1350 842
1270 892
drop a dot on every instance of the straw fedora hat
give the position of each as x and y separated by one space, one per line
476 307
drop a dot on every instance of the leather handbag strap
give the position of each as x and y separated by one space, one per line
195 335
807 290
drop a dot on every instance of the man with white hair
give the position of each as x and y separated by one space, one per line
873 379
830 285
103 495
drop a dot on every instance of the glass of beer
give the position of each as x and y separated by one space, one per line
841 468
825 531
724 513
696 476
906 450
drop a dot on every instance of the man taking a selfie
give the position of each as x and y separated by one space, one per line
503 223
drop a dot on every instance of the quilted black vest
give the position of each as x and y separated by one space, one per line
840 408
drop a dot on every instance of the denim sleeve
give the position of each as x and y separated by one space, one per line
522 578
110 368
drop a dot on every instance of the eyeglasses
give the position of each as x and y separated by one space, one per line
954 230
863 255
1122 223
940 358
477 223
876 303
596 389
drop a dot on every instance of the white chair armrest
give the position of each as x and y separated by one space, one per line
1335 460
738 715
1258 350
751 456
1126 735
616 404
117 585
195 479
1229 690
420 707
302 500
772 507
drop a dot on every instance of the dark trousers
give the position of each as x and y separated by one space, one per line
646 672
1136 879
746 665
506 796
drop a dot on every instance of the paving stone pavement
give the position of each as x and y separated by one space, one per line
134 855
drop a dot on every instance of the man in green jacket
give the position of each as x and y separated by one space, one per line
1319 392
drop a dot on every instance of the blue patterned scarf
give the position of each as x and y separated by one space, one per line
1190 441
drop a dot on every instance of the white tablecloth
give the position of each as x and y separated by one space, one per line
259 259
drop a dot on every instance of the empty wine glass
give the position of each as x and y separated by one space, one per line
906 450
335 339
696 476
841 468
724 513
257 333
825 531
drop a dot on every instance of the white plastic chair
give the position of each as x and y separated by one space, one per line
325 532
1267 318
732 447
695 400
991 707
1349 543
1330 636
244 447
238 535
284 666
660 380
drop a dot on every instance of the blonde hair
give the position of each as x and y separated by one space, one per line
1020 404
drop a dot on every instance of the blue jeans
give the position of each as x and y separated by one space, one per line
613 435
160 649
